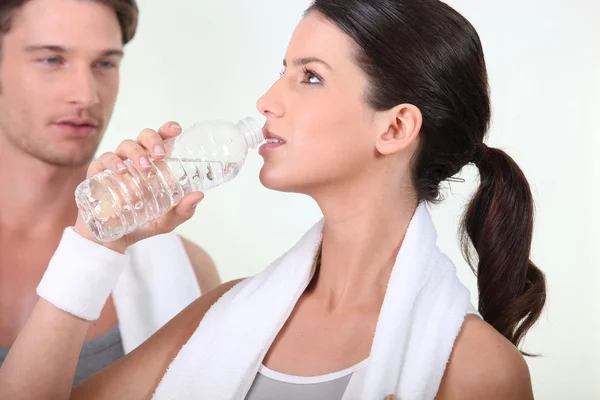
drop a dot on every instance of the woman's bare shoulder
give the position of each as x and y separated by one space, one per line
485 365
198 308
178 331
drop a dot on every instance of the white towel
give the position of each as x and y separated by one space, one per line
423 310
158 283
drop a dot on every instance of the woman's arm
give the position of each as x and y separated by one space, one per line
137 375
42 361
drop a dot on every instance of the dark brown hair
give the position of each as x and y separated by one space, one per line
126 11
427 54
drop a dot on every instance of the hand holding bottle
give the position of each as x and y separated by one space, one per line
202 157
138 154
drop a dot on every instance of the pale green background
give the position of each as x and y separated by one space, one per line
197 59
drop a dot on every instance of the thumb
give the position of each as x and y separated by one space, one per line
182 212
390 397
187 206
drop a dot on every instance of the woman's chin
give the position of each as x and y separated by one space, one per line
278 182
270 181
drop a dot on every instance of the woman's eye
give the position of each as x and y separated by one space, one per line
311 78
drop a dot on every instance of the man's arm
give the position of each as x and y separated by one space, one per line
204 267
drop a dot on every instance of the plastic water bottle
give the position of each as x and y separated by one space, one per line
200 158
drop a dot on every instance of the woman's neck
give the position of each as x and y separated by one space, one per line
361 239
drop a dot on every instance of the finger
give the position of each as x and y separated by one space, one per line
129 149
182 212
169 130
187 206
390 397
152 142
109 161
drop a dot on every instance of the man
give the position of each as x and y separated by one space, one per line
59 77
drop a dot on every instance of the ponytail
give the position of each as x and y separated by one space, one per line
498 225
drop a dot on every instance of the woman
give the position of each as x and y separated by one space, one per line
379 102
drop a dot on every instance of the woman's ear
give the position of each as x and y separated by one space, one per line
400 127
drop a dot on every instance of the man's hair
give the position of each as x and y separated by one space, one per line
126 11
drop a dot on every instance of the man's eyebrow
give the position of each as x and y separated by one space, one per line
49 47
60 49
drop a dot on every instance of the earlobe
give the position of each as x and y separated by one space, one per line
401 129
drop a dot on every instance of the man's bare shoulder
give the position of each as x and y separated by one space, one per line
203 265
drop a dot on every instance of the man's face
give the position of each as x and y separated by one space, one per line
59 77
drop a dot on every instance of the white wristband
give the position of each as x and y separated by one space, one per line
81 276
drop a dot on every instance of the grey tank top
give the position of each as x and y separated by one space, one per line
272 385
95 354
